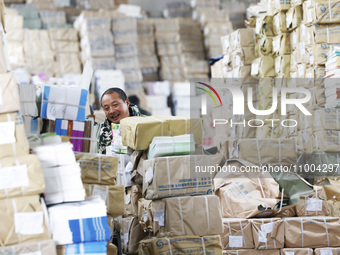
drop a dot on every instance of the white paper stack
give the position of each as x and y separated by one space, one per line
27 94
187 103
168 146
104 80
79 222
62 173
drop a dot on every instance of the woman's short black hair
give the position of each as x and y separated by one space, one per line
119 91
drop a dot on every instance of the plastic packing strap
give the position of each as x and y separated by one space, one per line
327 30
81 249
244 240
161 122
66 104
207 210
237 252
169 243
13 144
168 170
274 239
258 151
15 211
181 214
46 217
107 196
316 195
330 10
305 206
99 167
302 236
326 228
264 196
203 246
81 227
266 235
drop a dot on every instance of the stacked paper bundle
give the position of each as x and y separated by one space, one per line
332 87
96 39
30 14
51 19
177 9
238 49
215 23
95 5
124 30
181 51
156 98
27 95
15 38
186 101
147 55
64 43
43 4
23 219
62 173
80 228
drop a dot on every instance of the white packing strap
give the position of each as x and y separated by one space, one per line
264 196
99 167
107 197
324 219
181 213
81 249
237 252
330 10
66 104
244 240
305 206
47 219
266 235
274 239
161 122
207 210
203 246
279 152
169 245
258 151
282 192
15 211
90 189
302 237
327 33
81 227
13 144
229 228
168 170
173 147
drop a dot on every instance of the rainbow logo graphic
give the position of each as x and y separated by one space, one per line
209 93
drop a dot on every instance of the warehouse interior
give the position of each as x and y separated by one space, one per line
145 127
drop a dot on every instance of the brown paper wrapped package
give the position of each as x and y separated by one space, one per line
264 46
263 67
327 251
264 25
152 126
31 165
281 44
311 232
235 230
111 249
151 216
9 94
243 56
20 147
134 193
326 118
90 164
327 140
242 193
251 252
63 34
313 205
243 37
326 33
297 251
131 234
114 195
268 233
326 12
279 21
294 17
172 176
44 247
193 245
16 216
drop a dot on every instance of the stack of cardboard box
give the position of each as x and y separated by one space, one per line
146 47
23 213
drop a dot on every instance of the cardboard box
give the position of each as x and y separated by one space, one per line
313 205
266 151
21 176
327 140
131 234
263 67
317 232
149 127
134 193
280 25
113 195
251 252
297 251
22 219
237 234
63 34
281 44
181 245
44 247
98 169
12 136
241 193
9 93
268 233
243 37
294 17
183 179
